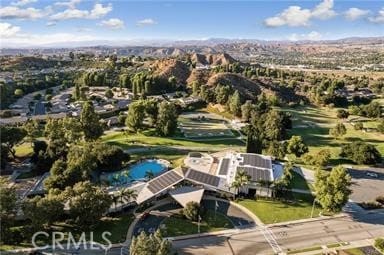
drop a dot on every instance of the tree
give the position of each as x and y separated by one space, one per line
167 119
43 211
361 153
32 129
152 244
152 110
90 123
297 146
274 126
319 159
342 114
109 93
241 179
11 136
126 195
277 149
358 125
8 207
235 104
191 210
87 203
254 143
246 110
285 181
372 110
135 117
332 189
338 131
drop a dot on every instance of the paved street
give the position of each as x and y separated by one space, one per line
292 236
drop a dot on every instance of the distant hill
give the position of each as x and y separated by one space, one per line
212 59
22 63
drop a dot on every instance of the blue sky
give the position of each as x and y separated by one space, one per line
39 22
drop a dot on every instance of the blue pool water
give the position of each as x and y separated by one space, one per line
136 172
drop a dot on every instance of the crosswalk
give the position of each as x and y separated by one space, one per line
271 239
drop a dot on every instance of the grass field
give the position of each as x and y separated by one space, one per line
313 124
203 128
176 226
126 141
273 211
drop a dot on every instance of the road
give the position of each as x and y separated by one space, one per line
290 236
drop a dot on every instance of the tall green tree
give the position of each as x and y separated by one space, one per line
87 203
136 115
152 244
167 119
235 104
338 131
43 211
11 136
90 123
333 189
297 146
8 208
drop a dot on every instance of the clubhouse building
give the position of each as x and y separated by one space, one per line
210 172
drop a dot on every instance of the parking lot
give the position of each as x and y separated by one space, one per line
367 184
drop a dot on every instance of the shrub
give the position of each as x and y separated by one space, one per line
379 244
358 126
380 199
191 211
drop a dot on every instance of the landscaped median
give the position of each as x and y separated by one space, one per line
273 211
210 222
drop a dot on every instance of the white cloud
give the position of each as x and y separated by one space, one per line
146 22
70 4
50 23
324 10
23 2
312 36
355 13
97 12
113 23
8 30
379 18
295 16
14 12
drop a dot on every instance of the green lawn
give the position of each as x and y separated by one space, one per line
313 124
273 211
126 141
177 226
118 226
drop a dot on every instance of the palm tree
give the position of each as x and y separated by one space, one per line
127 194
115 200
241 179
149 174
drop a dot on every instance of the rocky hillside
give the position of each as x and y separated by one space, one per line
172 67
212 59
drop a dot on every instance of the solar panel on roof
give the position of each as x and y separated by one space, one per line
224 166
255 160
203 178
163 181
257 174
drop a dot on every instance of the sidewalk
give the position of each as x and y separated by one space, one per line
351 245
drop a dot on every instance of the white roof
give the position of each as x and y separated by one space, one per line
186 194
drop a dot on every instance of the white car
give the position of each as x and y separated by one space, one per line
372 174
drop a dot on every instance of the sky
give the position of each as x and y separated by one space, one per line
70 22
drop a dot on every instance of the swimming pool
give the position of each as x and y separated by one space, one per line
139 171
